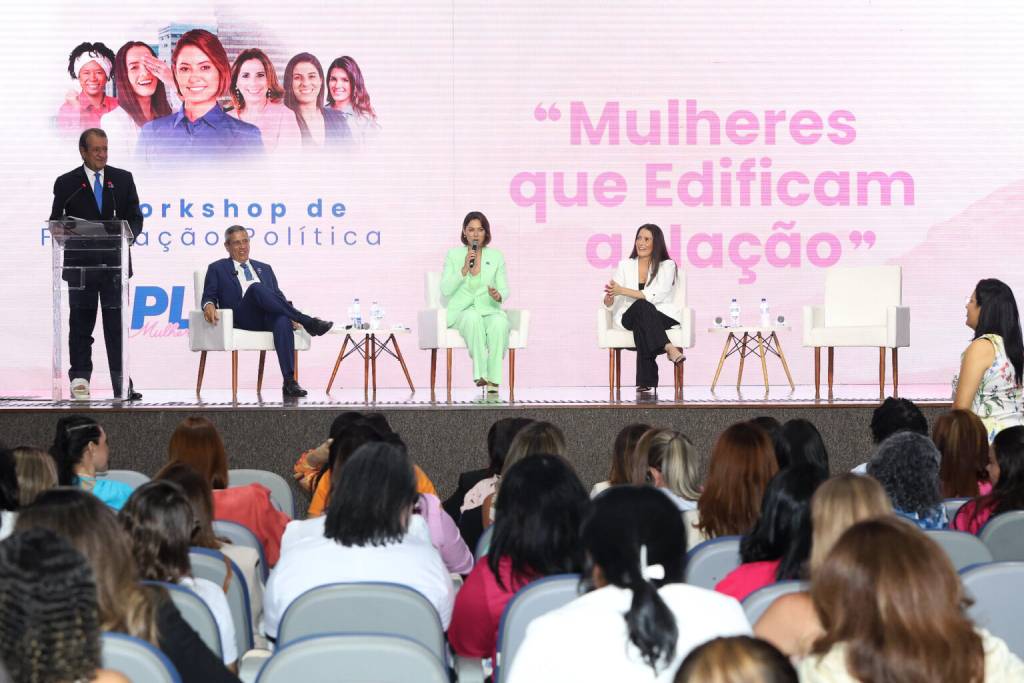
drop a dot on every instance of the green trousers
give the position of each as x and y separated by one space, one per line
487 339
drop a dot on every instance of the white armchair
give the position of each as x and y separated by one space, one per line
614 338
863 307
434 334
204 337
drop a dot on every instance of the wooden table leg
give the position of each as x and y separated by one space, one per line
373 361
401 359
721 361
782 357
895 373
337 363
764 362
743 356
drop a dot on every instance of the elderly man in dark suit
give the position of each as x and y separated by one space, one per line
249 288
95 192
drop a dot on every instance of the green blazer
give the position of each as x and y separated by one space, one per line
456 289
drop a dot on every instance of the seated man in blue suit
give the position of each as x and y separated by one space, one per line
250 289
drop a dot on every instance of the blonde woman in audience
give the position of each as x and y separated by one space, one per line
36 471
742 463
125 605
638 619
892 609
739 659
790 624
672 466
625 468
538 437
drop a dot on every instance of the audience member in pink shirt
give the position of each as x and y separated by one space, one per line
1006 471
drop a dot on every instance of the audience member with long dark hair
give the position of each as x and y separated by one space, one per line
739 659
370 534
638 619
962 440
159 521
125 605
536 534
625 467
804 444
672 466
1006 470
81 452
778 547
742 464
991 368
49 622
892 609
907 466
790 623
196 442
773 428
536 437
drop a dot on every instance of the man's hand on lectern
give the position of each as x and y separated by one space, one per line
210 313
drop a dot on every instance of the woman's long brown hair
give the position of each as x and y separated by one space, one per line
742 463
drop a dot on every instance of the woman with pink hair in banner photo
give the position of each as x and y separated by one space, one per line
140 79
90 66
346 93
257 96
201 129
304 94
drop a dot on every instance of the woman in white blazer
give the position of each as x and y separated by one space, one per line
640 298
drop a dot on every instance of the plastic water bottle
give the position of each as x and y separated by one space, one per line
355 314
376 315
766 315
734 313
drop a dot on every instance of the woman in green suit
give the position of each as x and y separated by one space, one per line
474 284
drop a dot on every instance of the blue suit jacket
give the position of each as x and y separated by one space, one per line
223 289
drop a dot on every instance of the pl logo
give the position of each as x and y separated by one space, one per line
148 309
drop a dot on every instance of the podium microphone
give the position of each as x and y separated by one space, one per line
110 186
472 259
64 209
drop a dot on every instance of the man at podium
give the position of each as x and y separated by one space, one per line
95 191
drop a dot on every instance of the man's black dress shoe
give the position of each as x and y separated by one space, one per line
317 327
292 389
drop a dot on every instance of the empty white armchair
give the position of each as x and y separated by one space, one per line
615 338
863 307
204 337
434 334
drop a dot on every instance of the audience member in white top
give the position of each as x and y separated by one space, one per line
672 466
368 536
160 523
639 620
625 467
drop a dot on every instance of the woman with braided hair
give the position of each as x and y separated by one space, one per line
638 619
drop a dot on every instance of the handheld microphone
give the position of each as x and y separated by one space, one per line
472 259
64 209
113 199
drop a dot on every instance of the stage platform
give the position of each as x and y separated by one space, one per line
449 436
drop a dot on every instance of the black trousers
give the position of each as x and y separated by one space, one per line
101 292
648 326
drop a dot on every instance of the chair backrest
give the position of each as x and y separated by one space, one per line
210 565
755 604
280 490
198 280
387 608
130 477
709 562
998 600
952 506
137 659
531 601
353 658
862 295
679 291
1003 535
483 544
963 549
432 291
195 613
240 534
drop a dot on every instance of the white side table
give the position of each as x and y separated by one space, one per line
751 340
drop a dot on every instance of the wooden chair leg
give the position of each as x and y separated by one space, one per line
831 363
611 372
511 374
433 370
234 375
881 372
817 372
448 382
259 372
202 370
295 362
618 370
895 373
